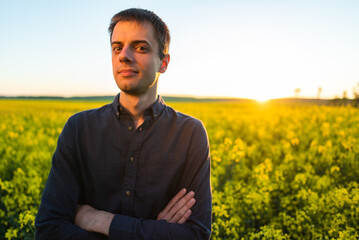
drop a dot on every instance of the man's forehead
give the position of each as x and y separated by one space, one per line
133 29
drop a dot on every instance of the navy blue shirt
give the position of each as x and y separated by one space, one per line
102 160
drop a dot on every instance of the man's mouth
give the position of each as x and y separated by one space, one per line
127 72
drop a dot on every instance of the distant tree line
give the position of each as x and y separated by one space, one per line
345 101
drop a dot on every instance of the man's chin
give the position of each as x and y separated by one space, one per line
133 92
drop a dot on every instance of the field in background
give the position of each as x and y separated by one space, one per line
279 171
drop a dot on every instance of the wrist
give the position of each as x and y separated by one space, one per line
102 222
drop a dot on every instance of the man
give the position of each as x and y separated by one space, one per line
130 169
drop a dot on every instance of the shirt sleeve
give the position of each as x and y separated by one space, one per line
196 177
55 218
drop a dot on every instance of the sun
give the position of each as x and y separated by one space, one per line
262 99
264 96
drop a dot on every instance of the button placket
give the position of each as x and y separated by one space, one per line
131 171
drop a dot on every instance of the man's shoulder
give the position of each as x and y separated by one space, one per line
183 118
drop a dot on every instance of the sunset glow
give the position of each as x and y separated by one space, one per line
253 49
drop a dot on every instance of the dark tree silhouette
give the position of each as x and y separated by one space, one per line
319 92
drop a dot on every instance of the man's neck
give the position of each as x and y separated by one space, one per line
136 105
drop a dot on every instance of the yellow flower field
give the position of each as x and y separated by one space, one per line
279 171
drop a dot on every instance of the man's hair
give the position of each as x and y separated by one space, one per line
139 15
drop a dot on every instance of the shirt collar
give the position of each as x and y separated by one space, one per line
154 110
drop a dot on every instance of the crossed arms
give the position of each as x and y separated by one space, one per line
61 217
177 211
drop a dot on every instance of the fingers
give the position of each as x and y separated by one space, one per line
182 211
178 210
171 203
185 217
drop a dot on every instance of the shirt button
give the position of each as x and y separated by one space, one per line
129 128
132 159
117 114
155 115
128 193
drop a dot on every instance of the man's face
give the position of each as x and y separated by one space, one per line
135 60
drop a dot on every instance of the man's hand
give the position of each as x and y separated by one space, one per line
93 220
178 209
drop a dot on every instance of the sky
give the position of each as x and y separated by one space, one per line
230 48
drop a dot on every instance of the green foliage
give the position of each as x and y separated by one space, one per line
283 172
28 135
278 171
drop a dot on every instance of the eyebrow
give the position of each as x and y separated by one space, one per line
133 42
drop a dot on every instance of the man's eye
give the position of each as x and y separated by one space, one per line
142 48
117 49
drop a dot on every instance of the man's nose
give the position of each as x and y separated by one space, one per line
126 54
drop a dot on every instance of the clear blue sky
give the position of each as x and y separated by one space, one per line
250 49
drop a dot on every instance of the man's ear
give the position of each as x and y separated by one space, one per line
164 63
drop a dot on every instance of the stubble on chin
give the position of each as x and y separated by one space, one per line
132 92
